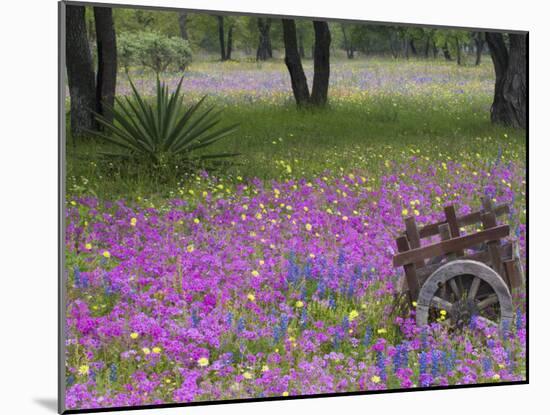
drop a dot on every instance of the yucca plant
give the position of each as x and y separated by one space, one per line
163 130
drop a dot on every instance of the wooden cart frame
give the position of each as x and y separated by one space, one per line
461 275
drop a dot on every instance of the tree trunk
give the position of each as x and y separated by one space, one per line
301 49
515 84
479 46
182 20
434 49
510 99
269 48
446 52
294 63
106 60
221 36
458 54
80 72
427 48
393 49
348 45
413 48
264 51
229 43
321 63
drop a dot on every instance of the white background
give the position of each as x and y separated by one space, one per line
28 223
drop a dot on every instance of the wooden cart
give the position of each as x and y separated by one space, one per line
462 274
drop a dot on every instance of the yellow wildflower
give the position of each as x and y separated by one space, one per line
157 349
285 393
88 246
196 220
353 315
203 361
134 335
106 254
308 226
190 248
146 351
375 379
299 304
247 375
251 297
84 369
133 222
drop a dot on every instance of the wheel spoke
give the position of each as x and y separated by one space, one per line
442 304
460 285
473 288
444 291
455 289
490 300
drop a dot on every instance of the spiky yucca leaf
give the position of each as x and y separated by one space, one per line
163 129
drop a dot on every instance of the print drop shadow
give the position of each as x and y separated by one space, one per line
48 403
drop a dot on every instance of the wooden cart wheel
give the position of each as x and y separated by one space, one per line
464 289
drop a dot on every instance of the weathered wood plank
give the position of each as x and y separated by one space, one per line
413 236
480 256
445 234
410 269
451 245
487 204
489 221
512 274
432 229
454 227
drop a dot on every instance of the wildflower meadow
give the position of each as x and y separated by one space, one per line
270 274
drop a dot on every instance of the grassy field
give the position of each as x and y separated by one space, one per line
359 130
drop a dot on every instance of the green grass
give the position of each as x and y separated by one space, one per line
432 109
282 141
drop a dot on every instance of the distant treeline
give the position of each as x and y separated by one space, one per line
102 40
262 38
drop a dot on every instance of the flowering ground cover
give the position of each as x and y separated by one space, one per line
239 82
273 276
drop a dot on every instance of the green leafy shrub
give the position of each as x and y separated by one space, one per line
127 50
153 50
182 53
162 131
